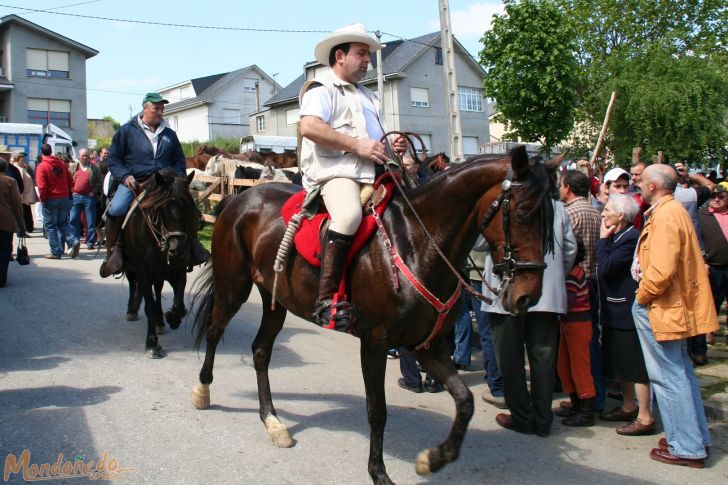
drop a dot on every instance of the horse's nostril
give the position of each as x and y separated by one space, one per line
524 302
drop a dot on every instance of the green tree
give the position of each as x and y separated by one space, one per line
667 61
531 70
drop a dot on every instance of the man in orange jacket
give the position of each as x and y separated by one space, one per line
673 302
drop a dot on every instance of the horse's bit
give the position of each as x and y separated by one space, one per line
510 264
162 236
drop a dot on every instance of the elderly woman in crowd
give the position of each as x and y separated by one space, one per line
622 354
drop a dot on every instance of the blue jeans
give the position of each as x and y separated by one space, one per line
58 229
87 204
676 388
463 331
121 202
492 372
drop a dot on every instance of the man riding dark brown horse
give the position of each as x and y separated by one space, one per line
140 148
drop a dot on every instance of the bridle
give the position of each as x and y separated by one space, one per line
509 265
161 235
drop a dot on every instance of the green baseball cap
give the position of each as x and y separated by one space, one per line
153 98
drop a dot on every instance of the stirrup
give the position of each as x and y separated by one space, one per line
338 316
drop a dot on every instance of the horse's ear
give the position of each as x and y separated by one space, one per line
519 160
190 176
555 162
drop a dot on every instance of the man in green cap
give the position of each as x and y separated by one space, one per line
141 147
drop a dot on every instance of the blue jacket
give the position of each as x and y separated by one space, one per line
131 152
616 286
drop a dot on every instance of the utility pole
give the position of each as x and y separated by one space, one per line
451 85
380 76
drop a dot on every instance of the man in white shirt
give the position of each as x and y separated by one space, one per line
341 133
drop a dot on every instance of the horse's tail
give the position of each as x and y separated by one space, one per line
202 303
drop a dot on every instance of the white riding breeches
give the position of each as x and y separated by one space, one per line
341 196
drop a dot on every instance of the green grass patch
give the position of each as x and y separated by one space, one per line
715 388
205 235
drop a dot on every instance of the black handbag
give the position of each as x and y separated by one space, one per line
21 255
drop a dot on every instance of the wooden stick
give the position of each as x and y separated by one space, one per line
604 130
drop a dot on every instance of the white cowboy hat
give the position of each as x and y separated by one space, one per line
350 33
4 150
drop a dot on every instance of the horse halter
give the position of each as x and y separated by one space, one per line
510 264
161 236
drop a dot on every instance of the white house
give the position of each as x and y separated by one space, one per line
217 106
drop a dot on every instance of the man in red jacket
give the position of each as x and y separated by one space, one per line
55 187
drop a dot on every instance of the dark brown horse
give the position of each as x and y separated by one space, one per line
156 248
244 245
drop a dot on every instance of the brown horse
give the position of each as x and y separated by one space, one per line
279 160
247 235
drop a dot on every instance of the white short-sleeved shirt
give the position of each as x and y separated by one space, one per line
317 102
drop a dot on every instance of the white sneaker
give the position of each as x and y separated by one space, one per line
497 401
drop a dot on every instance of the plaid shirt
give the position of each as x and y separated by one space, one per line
585 220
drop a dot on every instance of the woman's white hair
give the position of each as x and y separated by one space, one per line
624 204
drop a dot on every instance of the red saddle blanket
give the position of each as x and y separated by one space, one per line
307 239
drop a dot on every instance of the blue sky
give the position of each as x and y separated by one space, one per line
135 58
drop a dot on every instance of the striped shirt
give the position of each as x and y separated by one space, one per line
585 221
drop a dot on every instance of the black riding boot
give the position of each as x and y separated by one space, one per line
114 260
333 258
569 412
585 416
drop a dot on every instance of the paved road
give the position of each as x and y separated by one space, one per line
73 380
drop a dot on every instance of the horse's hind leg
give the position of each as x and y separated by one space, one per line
135 298
230 291
437 362
270 326
373 367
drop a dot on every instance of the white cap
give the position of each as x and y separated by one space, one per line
614 174
350 33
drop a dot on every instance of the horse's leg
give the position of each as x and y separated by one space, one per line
174 315
159 326
373 367
231 289
437 362
135 298
270 325
153 350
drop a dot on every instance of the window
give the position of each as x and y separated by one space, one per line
427 140
260 123
43 111
419 97
249 85
470 145
438 56
292 116
471 99
44 63
231 116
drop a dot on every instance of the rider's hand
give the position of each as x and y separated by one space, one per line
371 150
400 144
130 182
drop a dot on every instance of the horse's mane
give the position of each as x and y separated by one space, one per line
170 187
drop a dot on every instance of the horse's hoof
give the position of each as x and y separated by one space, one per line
201 396
155 353
422 464
278 433
132 317
174 317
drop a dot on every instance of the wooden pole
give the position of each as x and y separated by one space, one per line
604 130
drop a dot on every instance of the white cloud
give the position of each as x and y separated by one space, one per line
473 20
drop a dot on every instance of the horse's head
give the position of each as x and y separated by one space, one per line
171 213
517 221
